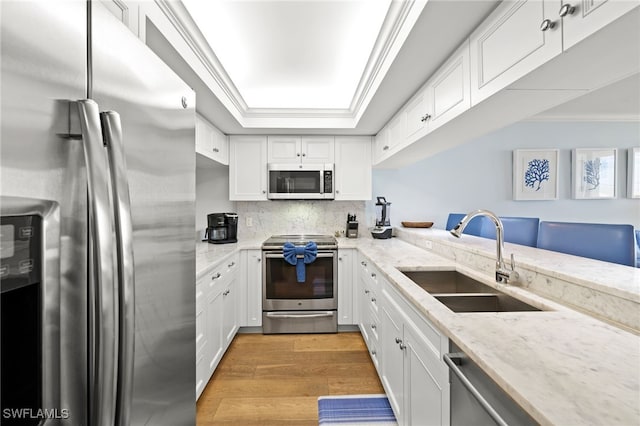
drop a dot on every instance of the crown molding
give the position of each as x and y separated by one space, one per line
542 117
400 19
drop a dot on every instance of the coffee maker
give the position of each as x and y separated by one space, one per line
222 228
383 228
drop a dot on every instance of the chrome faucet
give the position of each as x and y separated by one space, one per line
503 275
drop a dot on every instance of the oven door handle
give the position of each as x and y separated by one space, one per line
276 315
281 256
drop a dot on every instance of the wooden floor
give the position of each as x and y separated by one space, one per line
276 379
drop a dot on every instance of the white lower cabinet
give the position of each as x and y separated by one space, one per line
217 303
251 288
412 371
346 260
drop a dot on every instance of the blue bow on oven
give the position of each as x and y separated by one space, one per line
299 256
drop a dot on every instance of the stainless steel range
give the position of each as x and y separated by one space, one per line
289 306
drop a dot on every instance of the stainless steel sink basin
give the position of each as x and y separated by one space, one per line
461 293
484 303
438 282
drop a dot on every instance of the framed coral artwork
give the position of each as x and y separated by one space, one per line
535 174
594 173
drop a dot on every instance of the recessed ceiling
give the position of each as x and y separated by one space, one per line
292 54
351 65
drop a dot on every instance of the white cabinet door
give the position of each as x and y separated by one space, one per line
417 114
397 132
381 145
204 137
284 149
392 356
584 17
248 168
449 94
421 380
220 146
345 286
215 301
510 43
353 168
230 310
125 10
253 288
202 346
317 149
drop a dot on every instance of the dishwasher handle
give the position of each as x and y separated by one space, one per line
453 360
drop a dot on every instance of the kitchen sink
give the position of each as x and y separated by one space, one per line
447 282
461 293
484 303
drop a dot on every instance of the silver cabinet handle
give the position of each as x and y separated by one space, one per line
398 340
216 150
373 275
337 191
453 360
264 191
103 349
259 260
216 276
373 299
298 154
402 346
425 117
547 24
367 292
231 265
373 326
386 147
566 9
112 131
363 263
373 352
226 292
304 155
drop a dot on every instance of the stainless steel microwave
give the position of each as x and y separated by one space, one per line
300 181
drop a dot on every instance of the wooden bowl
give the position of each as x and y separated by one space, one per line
417 224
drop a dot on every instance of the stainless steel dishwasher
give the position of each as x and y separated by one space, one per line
476 399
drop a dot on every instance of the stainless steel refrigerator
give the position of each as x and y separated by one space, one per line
97 202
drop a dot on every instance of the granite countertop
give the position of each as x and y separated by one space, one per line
561 366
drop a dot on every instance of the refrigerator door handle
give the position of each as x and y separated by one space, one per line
112 131
102 320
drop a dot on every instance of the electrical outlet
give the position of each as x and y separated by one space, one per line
249 221
427 244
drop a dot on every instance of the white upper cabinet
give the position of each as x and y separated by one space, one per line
448 91
516 38
297 149
248 168
353 168
417 115
211 142
581 18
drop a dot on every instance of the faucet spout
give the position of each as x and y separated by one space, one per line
503 275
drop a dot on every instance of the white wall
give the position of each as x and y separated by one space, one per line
212 191
479 175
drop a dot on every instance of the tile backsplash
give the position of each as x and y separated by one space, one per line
296 217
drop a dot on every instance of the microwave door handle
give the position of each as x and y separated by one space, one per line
124 251
322 182
102 308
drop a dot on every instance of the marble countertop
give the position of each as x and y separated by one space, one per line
562 366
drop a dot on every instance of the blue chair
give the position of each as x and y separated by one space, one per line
610 243
517 230
637 248
473 228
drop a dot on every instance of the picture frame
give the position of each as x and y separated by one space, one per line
633 173
535 174
594 172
